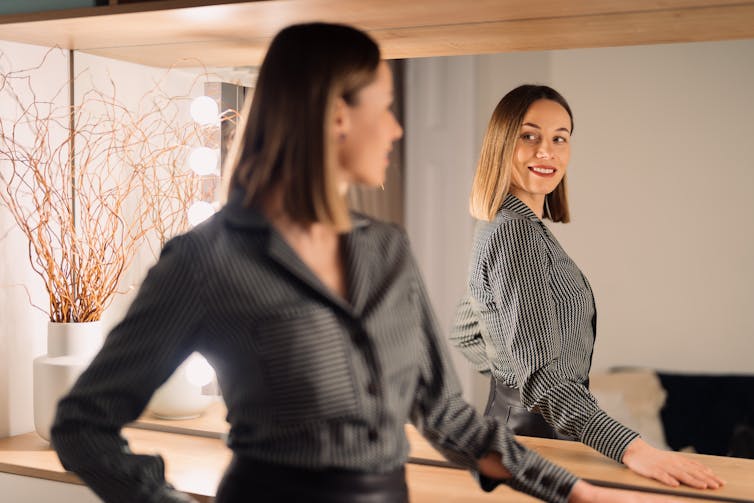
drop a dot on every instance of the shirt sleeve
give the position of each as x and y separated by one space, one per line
139 354
466 336
462 435
519 278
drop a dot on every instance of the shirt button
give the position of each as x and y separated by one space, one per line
372 388
372 435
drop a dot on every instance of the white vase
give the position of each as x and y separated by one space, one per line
70 349
181 397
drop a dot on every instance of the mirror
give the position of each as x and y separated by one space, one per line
659 185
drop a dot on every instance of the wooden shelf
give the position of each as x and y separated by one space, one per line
227 33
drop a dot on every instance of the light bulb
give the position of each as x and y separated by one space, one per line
204 110
199 212
203 161
198 371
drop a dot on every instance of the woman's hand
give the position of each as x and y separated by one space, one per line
670 468
583 492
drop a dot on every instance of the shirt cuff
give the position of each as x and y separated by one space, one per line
606 435
537 477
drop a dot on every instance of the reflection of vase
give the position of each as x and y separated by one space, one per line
70 349
181 397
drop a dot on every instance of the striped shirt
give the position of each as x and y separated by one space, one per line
529 318
310 380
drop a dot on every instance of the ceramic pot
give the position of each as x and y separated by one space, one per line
70 349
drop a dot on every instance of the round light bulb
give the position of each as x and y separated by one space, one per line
204 110
198 370
199 212
203 161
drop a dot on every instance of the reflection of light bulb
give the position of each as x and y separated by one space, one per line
198 371
203 161
204 110
199 212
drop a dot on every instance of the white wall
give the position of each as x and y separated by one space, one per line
660 183
22 328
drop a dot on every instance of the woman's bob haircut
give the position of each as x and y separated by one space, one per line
493 174
286 144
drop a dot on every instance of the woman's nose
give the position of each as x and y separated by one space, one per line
398 129
544 151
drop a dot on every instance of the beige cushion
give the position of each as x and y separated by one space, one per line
634 397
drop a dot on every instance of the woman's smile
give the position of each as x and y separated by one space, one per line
543 170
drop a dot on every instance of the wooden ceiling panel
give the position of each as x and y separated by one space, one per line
180 32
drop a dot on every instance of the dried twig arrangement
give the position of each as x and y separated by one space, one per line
89 184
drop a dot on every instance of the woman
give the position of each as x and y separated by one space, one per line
315 319
529 317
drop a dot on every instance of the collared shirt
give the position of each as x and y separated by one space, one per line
310 380
537 311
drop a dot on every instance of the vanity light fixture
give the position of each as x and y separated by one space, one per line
204 161
204 110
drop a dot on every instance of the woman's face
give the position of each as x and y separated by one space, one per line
542 152
366 132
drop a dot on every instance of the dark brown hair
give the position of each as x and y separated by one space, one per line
493 175
285 143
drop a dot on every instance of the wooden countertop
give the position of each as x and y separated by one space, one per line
194 464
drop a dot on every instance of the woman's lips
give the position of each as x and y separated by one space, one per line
543 171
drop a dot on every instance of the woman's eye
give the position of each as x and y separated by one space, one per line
560 139
528 137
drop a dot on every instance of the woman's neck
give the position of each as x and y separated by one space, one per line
274 211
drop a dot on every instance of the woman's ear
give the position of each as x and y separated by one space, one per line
341 119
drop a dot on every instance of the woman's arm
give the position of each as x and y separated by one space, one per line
582 492
527 329
467 338
139 354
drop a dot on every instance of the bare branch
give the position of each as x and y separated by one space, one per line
131 186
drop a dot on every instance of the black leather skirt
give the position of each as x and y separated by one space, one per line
250 481
505 403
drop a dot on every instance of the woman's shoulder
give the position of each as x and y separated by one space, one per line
376 230
199 242
509 225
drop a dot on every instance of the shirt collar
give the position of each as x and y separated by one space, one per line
514 204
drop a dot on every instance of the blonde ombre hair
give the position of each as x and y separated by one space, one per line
286 143
492 180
